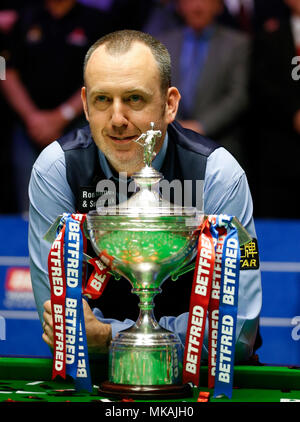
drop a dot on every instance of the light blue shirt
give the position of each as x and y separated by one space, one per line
226 191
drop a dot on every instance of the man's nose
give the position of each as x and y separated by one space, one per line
118 116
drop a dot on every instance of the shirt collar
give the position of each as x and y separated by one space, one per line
156 163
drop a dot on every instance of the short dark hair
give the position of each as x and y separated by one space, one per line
119 42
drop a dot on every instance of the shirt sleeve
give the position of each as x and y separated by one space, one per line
50 196
226 191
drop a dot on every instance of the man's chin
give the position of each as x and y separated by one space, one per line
125 162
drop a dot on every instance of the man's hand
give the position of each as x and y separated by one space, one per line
45 126
98 334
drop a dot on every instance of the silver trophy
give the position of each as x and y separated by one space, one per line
147 240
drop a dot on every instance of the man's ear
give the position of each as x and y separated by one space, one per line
173 98
84 102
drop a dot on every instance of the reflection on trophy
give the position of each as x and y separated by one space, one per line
147 239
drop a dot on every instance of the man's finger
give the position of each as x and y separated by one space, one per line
47 306
47 319
47 340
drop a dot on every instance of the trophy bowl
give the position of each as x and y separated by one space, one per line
145 239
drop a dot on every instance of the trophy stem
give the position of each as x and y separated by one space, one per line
146 320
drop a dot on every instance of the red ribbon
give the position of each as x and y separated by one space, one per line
58 294
205 298
92 289
98 279
200 297
214 308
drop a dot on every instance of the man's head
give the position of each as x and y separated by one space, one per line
198 14
294 6
127 85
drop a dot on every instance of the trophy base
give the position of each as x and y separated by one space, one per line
149 392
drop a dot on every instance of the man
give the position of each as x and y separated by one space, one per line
210 67
127 86
44 77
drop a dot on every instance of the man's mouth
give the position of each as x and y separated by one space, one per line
122 139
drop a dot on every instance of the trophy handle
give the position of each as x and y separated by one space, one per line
182 270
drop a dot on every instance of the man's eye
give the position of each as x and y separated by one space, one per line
101 98
135 98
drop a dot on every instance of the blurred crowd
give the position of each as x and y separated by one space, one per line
234 62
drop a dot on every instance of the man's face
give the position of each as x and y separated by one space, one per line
199 13
121 97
